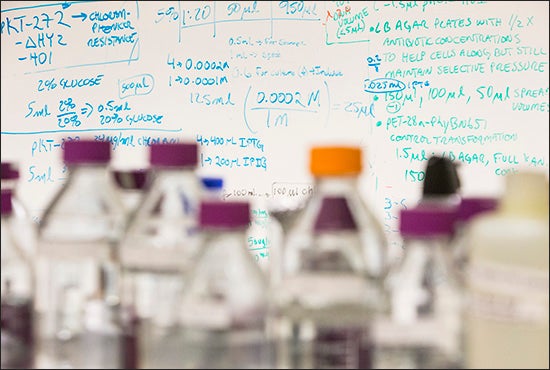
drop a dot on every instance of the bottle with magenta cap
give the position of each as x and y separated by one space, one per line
159 244
21 218
79 321
423 328
225 299
17 291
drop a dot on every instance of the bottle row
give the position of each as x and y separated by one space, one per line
164 278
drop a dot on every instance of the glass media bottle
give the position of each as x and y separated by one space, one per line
17 288
225 299
333 260
161 237
80 323
423 329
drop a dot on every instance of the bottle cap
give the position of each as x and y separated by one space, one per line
425 221
471 206
212 183
86 151
335 160
441 177
131 179
6 206
526 193
217 214
8 171
174 154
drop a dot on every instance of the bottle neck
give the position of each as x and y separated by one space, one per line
88 174
164 176
231 241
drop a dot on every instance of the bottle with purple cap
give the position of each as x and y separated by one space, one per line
423 328
159 244
17 291
225 300
9 174
21 219
79 318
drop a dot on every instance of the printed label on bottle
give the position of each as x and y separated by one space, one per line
508 293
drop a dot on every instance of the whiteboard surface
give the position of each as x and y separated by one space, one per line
256 84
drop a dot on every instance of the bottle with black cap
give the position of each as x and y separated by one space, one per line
441 185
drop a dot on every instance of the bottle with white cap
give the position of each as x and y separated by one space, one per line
507 278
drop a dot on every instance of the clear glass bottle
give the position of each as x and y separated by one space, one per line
9 174
79 324
333 262
21 219
17 291
225 301
160 242
423 329
507 278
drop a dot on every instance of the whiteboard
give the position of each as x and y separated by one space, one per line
257 83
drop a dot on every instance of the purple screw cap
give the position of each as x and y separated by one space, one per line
471 206
222 215
6 206
174 154
424 221
8 171
87 151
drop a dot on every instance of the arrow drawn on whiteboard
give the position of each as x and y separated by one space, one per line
81 15
84 110
244 112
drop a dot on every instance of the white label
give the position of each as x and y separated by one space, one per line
508 293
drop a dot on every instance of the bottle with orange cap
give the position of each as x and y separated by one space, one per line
332 265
